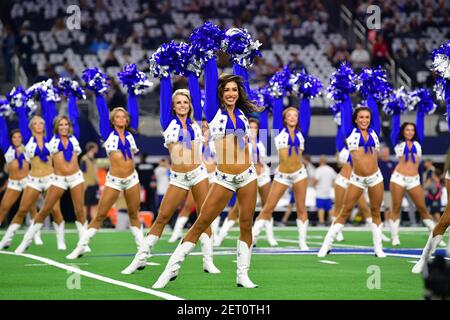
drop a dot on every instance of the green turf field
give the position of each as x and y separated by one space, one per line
281 273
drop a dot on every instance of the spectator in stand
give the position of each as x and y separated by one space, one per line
402 52
8 48
380 53
323 182
162 172
342 54
115 97
296 65
25 47
98 44
110 61
387 167
89 168
433 193
360 58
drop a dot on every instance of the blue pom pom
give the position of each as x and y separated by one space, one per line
134 80
238 43
5 109
44 90
260 97
205 41
307 85
95 80
71 87
397 102
373 82
441 60
19 98
280 83
425 104
165 60
342 82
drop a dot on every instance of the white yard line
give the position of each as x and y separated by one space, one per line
95 276
328 262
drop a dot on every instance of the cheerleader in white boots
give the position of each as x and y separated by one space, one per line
122 176
235 171
406 178
39 178
64 149
17 167
437 234
184 140
363 144
291 172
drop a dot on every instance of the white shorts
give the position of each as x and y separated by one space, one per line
40 184
17 185
189 179
264 177
366 182
68 182
407 182
289 179
122 184
342 181
447 175
235 181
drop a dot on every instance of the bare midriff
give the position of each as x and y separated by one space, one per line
210 165
119 166
289 163
364 164
408 168
40 168
346 170
183 159
15 173
231 158
64 168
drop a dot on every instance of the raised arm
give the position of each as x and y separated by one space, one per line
196 96
304 116
4 141
277 114
23 125
103 116
165 102
49 113
211 83
73 115
133 110
346 116
242 72
376 125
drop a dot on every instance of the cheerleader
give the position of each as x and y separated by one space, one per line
18 168
36 135
361 141
64 149
405 178
225 107
183 138
291 172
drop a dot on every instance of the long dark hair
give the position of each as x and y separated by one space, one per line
243 103
13 132
358 110
401 136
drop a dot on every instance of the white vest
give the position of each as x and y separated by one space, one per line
54 143
30 148
355 136
282 140
173 130
343 156
112 143
218 125
10 154
400 149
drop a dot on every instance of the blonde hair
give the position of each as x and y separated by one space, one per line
185 93
127 115
34 118
58 120
285 111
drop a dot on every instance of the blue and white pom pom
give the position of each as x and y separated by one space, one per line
342 83
238 43
373 82
441 60
71 87
133 79
425 104
95 80
206 40
5 109
306 85
18 98
166 60
44 90
397 102
280 83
